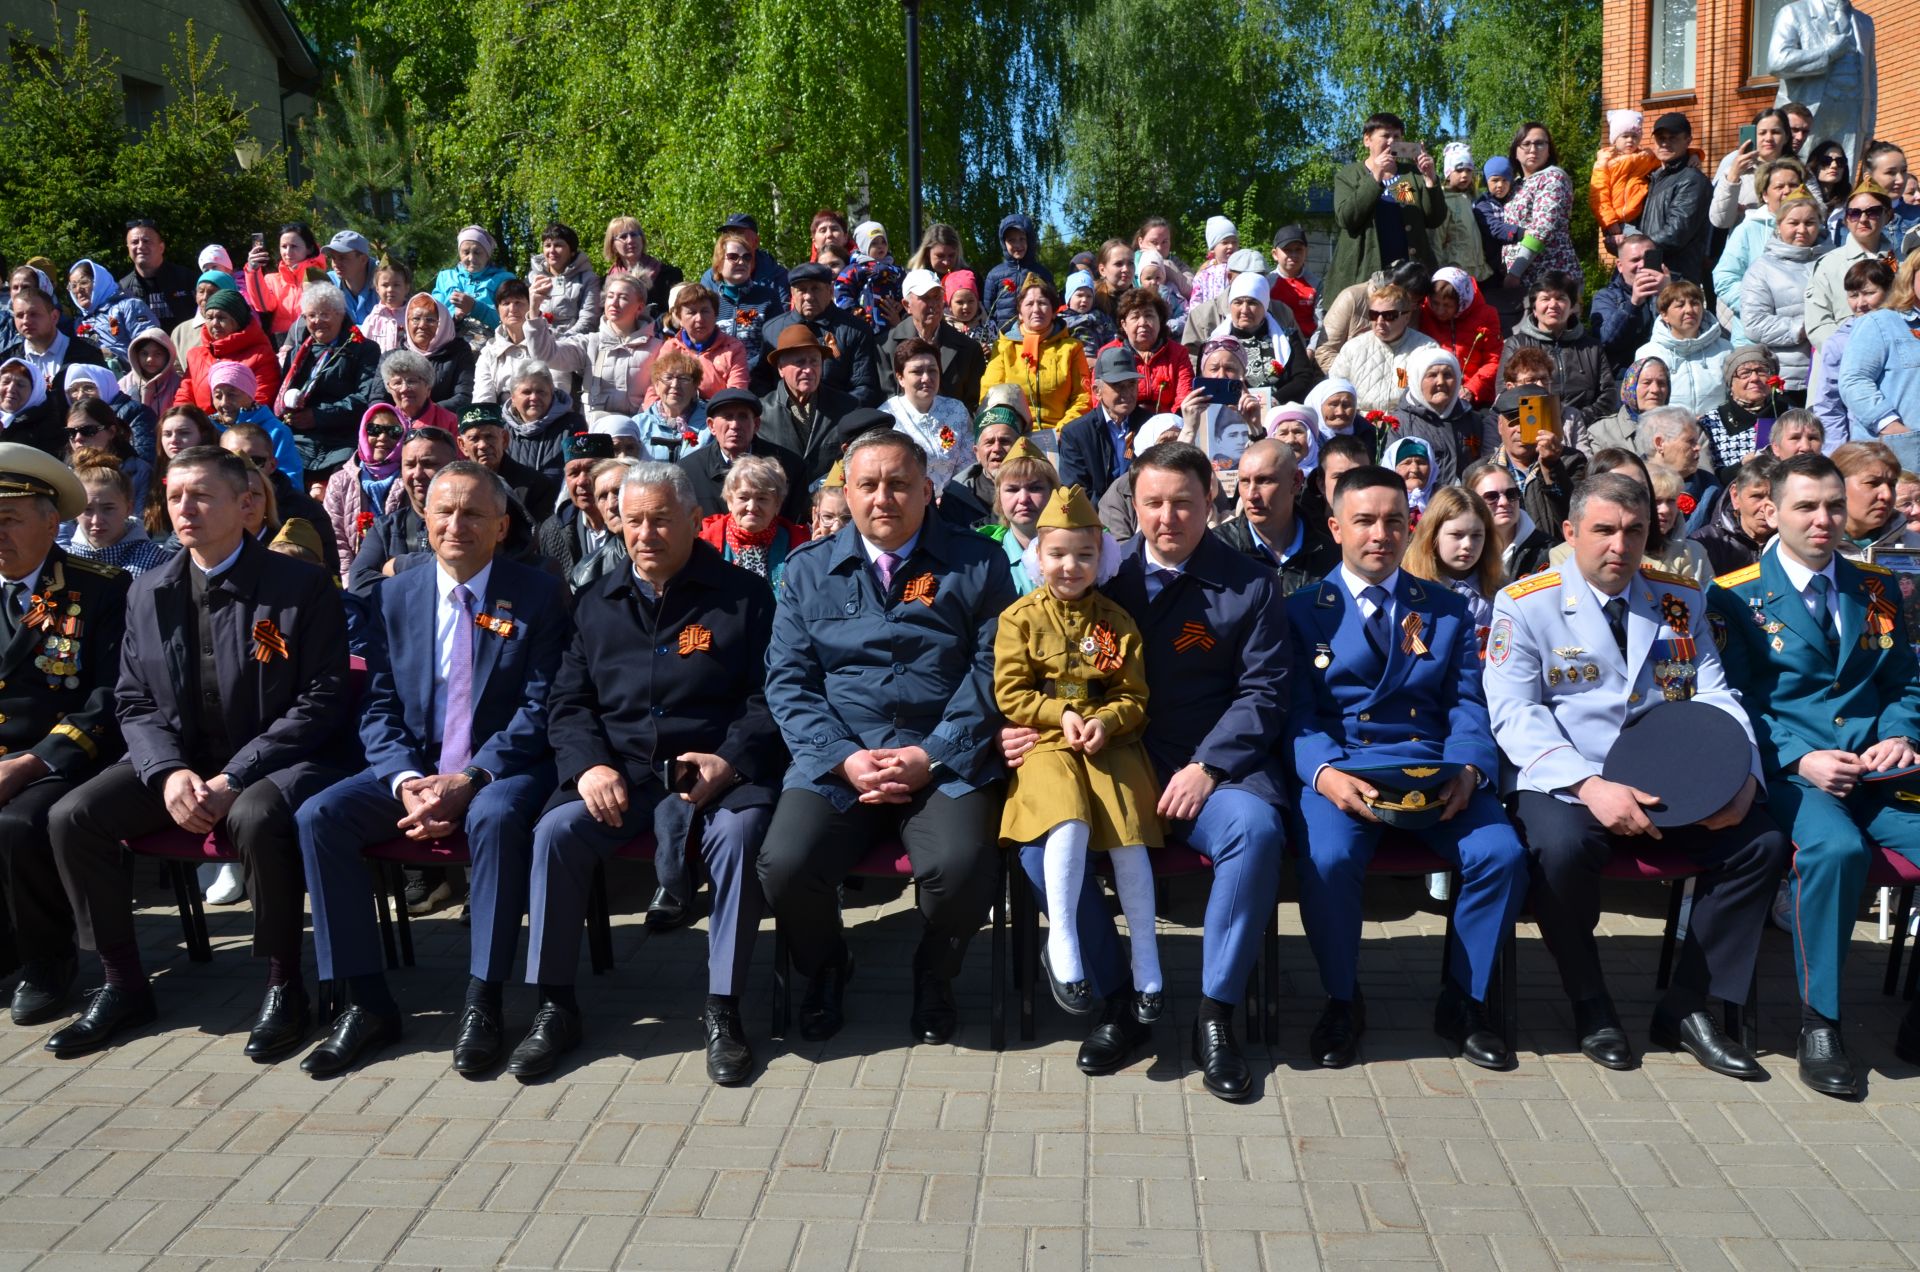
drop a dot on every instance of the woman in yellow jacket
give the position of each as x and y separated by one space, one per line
1046 360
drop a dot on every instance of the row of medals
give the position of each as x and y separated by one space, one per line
60 655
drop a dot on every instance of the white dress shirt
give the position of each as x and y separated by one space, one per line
1801 577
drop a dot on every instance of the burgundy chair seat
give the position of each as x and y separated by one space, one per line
639 848
184 845
1891 870
1177 859
451 851
1650 861
1402 854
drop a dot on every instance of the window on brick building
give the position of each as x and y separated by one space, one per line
1675 30
1760 32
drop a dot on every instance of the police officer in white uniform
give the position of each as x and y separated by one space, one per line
1572 659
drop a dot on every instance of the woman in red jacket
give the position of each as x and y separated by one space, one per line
231 334
1166 368
1459 318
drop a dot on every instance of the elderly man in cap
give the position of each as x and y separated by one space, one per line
424 451
802 414
1575 657
659 719
1097 449
454 725
484 440
962 362
1815 645
880 678
973 496
850 365
1389 731
233 702
61 620
576 531
351 258
733 425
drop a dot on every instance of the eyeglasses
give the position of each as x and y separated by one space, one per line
1866 214
88 430
142 223
679 377
1509 494
1750 373
382 430
1382 315
1834 161
627 234
735 256
1533 145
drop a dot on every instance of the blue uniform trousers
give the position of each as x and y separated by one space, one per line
1831 856
342 822
1244 836
569 843
1479 842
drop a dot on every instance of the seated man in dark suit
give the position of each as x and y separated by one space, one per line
233 703
424 451
880 678
850 365
659 719
454 726
1269 529
733 419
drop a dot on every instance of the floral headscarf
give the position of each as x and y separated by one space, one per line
1630 386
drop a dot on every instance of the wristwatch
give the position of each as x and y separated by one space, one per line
1218 775
234 784
476 775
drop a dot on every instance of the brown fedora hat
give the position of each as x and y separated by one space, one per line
794 338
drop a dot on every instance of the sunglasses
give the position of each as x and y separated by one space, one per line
735 256
382 430
1382 315
1834 161
88 430
1866 214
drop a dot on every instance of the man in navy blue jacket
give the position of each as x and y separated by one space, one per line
454 723
880 677
1097 449
1622 312
1215 629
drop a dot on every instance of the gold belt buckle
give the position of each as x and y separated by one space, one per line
1072 690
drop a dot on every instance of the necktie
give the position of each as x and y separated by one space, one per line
1378 620
10 595
1817 588
1617 620
456 726
1165 576
884 565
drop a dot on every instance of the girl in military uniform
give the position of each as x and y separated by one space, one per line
1069 662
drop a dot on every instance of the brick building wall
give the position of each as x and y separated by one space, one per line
1725 94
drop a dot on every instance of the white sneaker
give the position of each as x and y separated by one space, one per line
230 887
1439 885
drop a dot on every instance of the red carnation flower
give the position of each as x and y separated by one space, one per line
1687 503
1775 383
363 522
546 315
689 436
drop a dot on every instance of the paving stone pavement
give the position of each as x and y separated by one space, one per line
174 1151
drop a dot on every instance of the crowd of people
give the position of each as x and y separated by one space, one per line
776 563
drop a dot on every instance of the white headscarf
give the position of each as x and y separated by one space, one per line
1419 362
1306 415
1317 399
1150 433
101 378
1252 286
1460 281
35 396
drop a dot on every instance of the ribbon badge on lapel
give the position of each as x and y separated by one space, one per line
695 639
1882 615
499 624
1410 629
1106 648
922 588
268 643
1193 635
40 614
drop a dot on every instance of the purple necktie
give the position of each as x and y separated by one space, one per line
456 727
884 565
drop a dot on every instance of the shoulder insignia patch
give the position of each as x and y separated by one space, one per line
1665 576
1717 627
1535 583
1746 574
92 567
1873 567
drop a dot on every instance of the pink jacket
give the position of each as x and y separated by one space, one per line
345 501
722 366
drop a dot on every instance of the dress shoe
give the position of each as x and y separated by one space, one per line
1698 1036
1147 1007
356 1033
45 984
1602 1040
1463 1022
934 1016
1075 997
1222 1068
477 1047
1335 1040
729 1062
282 1024
1906 1043
823 1010
109 1010
666 911
1114 1039
555 1031
1824 1065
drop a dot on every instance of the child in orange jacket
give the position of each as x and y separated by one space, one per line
1618 191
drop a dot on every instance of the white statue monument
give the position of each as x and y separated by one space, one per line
1822 50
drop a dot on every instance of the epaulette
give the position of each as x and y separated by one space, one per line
1872 567
1745 574
92 567
1670 578
1535 583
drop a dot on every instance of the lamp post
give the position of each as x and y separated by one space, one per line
912 11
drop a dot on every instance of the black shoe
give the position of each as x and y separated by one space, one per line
1463 1022
555 1032
729 1061
1222 1068
356 1034
425 896
1698 1036
477 1047
1147 1007
1824 1065
934 1016
282 1025
666 912
45 985
1335 1040
1906 1043
1075 997
823 1010
109 1010
1602 1040
1114 1039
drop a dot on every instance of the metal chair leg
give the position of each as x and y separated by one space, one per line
193 919
1668 941
397 888
1509 974
997 1009
1900 907
599 923
383 911
782 986
1272 1022
1026 962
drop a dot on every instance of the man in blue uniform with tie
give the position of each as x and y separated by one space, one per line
454 723
1214 625
1816 646
1387 702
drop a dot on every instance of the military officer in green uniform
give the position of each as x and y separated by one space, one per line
60 625
1813 642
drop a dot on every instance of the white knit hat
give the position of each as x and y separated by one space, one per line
1620 121
1458 154
1219 227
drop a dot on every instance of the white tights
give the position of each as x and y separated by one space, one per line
1066 866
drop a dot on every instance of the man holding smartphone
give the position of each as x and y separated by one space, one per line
1384 206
